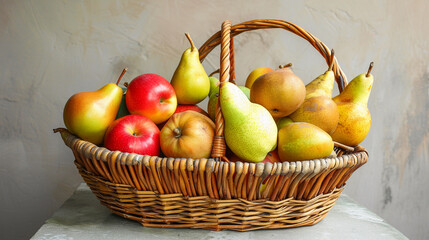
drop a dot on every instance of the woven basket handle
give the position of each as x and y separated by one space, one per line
225 39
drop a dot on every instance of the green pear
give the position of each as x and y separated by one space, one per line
190 80
250 130
281 122
89 114
214 85
318 107
355 118
245 90
211 105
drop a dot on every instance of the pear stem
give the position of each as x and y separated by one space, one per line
369 69
331 60
120 77
285 66
348 148
190 41
213 73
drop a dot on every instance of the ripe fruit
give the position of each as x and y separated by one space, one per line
190 80
182 108
89 114
250 131
318 107
281 92
188 135
355 118
281 122
255 74
214 85
303 141
272 157
320 111
152 96
133 134
211 105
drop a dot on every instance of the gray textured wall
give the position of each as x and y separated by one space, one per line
50 50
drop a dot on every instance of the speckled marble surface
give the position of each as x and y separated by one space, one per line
83 217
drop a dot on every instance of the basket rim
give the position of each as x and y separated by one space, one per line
313 166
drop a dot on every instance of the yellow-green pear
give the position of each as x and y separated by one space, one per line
250 130
303 141
318 107
355 118
214 85
190 80
89 114
211 105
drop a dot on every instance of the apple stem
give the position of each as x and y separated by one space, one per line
126 84
190 41
177 132
285 66
369 69
331 65
213 73
122 74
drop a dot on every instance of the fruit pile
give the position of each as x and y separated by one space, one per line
273 118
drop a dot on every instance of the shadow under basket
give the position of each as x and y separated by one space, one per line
212 193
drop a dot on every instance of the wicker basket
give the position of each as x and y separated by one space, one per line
211 193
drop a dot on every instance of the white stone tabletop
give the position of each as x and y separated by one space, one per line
83 217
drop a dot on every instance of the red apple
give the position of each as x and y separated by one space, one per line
272 157
185 107
152 96
133 134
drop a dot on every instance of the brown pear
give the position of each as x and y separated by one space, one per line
280 91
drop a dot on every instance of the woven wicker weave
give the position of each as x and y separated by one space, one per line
211 193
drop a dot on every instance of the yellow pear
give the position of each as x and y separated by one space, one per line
355 119
255 74
318 107
303 141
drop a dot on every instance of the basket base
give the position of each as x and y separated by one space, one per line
152 209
